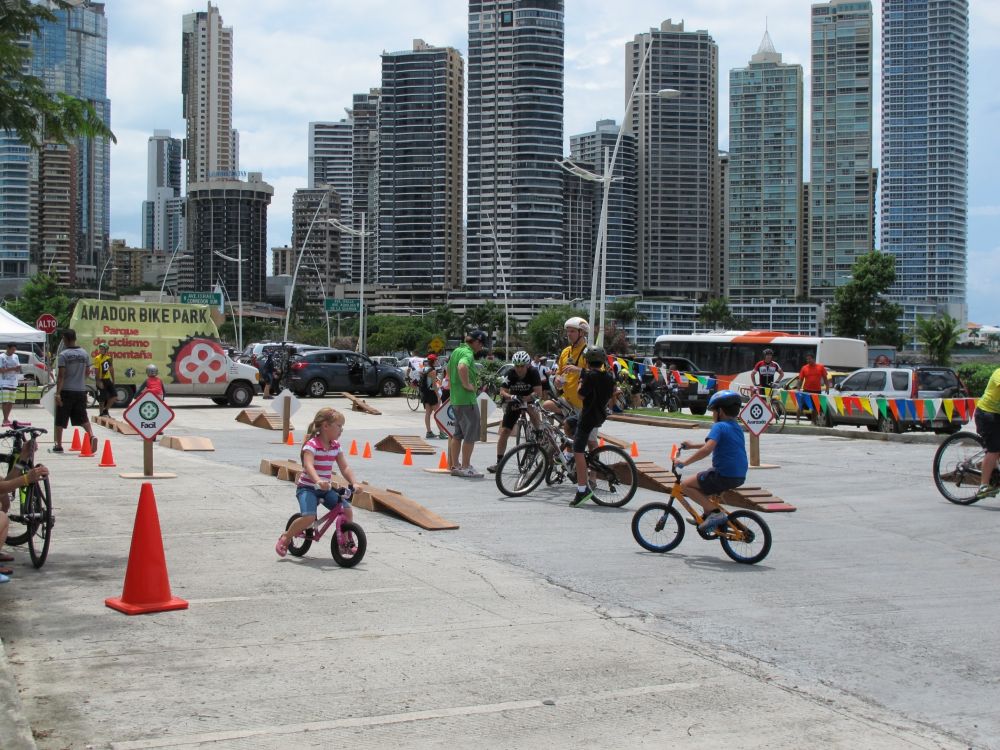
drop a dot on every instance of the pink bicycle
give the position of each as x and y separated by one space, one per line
349 542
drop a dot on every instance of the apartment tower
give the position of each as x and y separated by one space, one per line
162 211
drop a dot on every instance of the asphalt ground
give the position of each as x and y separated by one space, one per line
869 624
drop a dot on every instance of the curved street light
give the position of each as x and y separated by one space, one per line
361 293
170 262
298 261
239 283
100 281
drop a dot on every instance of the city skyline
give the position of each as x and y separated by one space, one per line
275 95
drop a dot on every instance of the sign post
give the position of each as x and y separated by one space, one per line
286 404
757 415
342 305
149 415
46 323
202 298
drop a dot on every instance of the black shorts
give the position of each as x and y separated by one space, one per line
107 390
988 427
712 483
430 398
510 415
73 408
583 433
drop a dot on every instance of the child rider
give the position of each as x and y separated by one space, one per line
319 453
597 386
729 459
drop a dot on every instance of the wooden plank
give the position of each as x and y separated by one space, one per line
268 420
247 416
613 441
409 510
187 443
359 404
656 478
399 444
683 424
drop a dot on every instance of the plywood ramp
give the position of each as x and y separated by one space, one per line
247 416
118 425
359 404
399 444
187 443
684 424
658 479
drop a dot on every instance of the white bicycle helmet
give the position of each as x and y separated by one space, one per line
152 370
520 358
578 323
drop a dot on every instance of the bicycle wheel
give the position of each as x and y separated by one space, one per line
18 517
521 469
746 538
958 467
780 414
412 398
658 527
299 544
613 476
355 544
39 510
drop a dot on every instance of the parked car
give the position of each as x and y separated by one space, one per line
254 353
791 383
33 369
693 395
919 382
315 372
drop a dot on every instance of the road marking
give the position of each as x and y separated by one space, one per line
337 594
429 715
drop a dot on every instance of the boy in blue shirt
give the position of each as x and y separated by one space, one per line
729 459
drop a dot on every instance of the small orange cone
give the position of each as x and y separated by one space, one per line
76 444
291 439
600 443
408 458
635 450
443 463
87 450
147 587
107 458
368 451
354 448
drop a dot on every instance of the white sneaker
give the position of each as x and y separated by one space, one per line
469 472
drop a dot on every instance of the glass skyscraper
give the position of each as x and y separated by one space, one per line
765 177
925 136
841 195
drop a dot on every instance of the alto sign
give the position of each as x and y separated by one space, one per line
46 323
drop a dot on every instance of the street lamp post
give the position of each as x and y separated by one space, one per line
600 251
100 281
239 285
170 262
503 280
361 294
298 260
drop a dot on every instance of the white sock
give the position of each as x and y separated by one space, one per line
581 488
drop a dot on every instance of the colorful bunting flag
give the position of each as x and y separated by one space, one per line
838 402
883 407
866 404
960 408
949 408
894 405
918 405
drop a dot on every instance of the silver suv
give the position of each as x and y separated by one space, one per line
905 383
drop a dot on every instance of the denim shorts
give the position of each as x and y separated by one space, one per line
309 499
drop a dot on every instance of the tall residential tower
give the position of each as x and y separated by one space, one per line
162 211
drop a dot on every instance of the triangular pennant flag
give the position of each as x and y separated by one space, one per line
873 406
949 408
911 408
838 402
918 406
815 402
882 407
710 383
866 405
656 372
803 400
894 405
960 408
971 407
824 403
933 407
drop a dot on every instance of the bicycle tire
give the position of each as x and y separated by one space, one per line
299 545
18 532
780 415
521 469
658 527
954 463
614 480
39 503
413 398
744 550
350 532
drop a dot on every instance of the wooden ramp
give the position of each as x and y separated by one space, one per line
247 416
399 444
368 497
118 425
359 404
684 424
613 441
187 443
265 419
658 479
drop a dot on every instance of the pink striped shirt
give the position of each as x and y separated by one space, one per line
323 461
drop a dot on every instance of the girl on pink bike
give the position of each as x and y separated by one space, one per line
320 452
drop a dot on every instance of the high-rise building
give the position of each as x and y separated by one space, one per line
229 217
330 150
320 268
677 152
56 209
925 138
840 174
15 196
162 226
210 145
420 168
581 215
515 203
364 188
623 261
720 237
70 54
765 177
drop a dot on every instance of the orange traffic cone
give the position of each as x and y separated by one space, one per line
635 450
291 439
408 458
147 587
368 451
107 458
87 450
443 463
354 448
76 444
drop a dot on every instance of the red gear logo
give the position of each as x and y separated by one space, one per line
200 361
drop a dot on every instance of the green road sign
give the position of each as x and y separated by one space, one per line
343 305
201 298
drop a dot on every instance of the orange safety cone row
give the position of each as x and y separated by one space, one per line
443 463
354 448
408 458
107 458
76 444
635 450
147 586
87 449
291 439
368 451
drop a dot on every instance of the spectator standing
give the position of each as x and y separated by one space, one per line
71 391
10 373
463 377
104 379
813 378
767 372
428 385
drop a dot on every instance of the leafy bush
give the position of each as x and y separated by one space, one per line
975 376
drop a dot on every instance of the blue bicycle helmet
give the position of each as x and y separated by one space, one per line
723 399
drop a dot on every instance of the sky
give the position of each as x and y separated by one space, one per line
297 61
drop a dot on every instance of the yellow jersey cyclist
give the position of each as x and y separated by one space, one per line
988 427
571 362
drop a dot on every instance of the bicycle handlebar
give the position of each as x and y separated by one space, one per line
20 429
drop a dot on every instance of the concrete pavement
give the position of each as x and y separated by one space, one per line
532 624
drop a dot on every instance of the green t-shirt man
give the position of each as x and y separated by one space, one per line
459 395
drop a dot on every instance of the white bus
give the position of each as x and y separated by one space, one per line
731 355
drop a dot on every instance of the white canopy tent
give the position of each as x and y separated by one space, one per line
17 331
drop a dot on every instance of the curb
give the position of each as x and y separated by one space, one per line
15 732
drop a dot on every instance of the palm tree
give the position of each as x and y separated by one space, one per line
625 311
715 312
939 336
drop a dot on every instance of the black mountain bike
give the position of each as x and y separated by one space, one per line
30 513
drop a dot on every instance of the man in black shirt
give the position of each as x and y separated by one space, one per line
522 382
597 386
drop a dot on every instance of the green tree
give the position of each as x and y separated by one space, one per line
625 311
716 313
26 108
42 294
860 309
393 333
545 331
939 336
442 318
488 317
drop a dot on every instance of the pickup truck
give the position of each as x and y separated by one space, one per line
693 395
